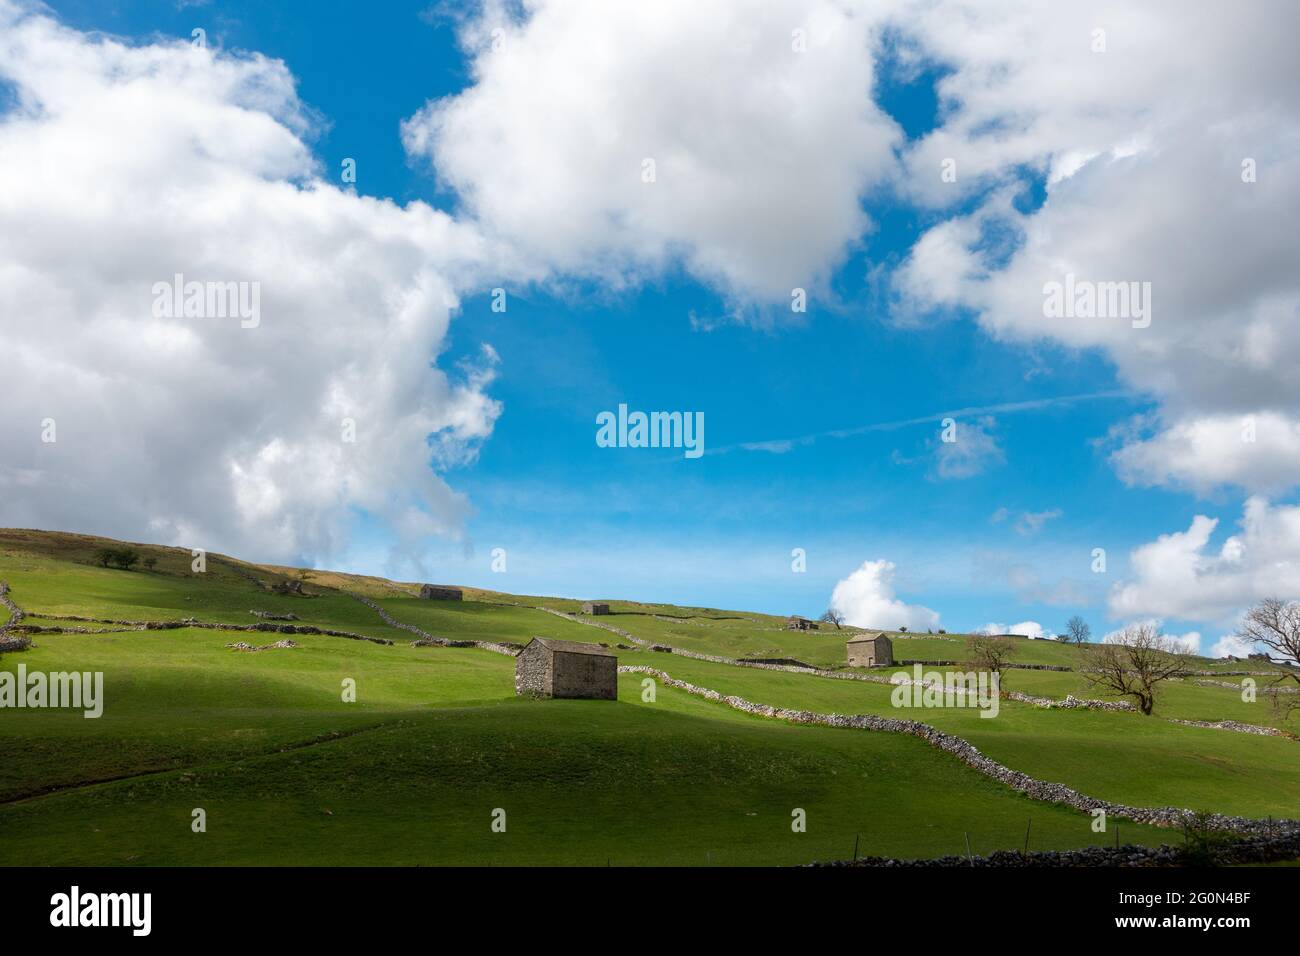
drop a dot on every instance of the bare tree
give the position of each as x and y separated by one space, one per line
1275 625
832 616
1077 631
991 654
1137 660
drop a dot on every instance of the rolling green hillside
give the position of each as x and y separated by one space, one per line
411 772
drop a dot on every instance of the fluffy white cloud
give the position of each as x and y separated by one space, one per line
125 165
1256 451
1232 645
866 599
762 151
1030 629
1180 575
1143 147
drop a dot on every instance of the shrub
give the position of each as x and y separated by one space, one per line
1201 843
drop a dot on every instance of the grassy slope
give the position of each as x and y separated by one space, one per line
410 773
1121 757
438 740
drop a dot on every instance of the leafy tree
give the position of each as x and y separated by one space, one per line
150 563
123 558
991 654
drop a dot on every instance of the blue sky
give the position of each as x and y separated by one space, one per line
584 521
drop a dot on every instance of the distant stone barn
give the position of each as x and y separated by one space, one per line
595 607
870 650
551 668
797 623
436 592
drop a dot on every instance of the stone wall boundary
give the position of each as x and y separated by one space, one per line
8 641
424 638
968 754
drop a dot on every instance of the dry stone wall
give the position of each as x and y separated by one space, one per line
278 645
127 625
430 640
1231 686
1253 849
14 616
1235 725
1019 667
966 752
1070 702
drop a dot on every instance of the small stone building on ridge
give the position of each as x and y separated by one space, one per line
595 607
437 592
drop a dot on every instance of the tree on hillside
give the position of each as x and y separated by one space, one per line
1077 631
832 616
1134 663
126 558
992 654
150 563
104 556
1275 625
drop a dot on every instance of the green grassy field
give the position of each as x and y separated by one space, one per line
411 772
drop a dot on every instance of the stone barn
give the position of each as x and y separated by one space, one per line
870 650
437 592
595 607
552 668
797 623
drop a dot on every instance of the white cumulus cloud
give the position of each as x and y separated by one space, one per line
1259 451
866 599
125 165
1030 629
1180 575
762 151
1171 157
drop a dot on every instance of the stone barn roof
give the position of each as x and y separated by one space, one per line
867 638
573 647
